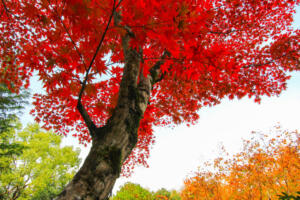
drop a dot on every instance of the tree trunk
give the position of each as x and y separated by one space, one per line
112 143
97 176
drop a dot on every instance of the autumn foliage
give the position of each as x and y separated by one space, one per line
267 167
214 48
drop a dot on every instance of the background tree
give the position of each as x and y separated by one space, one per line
164 194
11 105
113 69
43 168
267 167
131 191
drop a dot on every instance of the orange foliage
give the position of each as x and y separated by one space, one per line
266 167
161 197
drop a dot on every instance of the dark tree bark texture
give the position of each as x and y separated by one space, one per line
112 143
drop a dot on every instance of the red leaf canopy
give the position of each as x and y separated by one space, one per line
218 48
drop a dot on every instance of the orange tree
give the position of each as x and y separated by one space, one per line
267 167
113 69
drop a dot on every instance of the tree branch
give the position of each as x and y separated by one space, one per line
5 7
258 64
90 124
155 71
222 32
97 50
87 119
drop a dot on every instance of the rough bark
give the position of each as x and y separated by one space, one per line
112 143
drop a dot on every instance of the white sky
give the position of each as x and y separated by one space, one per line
180 151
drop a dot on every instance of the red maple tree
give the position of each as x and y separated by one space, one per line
113 69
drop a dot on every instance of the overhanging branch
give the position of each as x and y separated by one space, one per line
258 64
8 12
91 126
5 7
155 71
97 50
87 119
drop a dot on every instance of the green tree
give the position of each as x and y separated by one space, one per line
10 106
165 194
162 194
131 191
43 168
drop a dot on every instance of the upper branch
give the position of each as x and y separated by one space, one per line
8 12
5 7
264 63
258 64
155 71
97 50
90 124
87 119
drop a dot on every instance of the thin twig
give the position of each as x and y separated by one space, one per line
258 64
5 7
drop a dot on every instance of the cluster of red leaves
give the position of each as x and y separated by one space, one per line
218 48
265 168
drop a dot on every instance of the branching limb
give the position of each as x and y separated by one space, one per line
5 7
155 71
117 19
222 32
258 64
87 119
8 12
145 84
91 126
97 50
253 65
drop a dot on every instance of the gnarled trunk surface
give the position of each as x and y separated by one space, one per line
112 143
